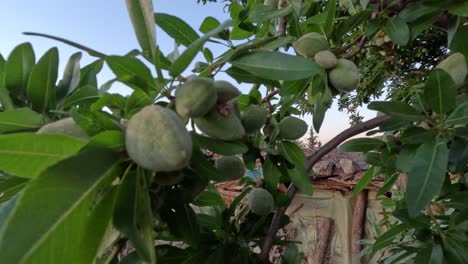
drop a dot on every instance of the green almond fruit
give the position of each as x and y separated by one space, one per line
231 167
224 127
345 76
253 117
66 126
225 91
309 44
455 66
156 139
326 59
292 128
195 97
260 202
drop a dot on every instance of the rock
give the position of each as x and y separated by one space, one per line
324 168
349 166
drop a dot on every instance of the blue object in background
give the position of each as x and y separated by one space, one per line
256 173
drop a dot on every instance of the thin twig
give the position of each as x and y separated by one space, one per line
311 161
268 96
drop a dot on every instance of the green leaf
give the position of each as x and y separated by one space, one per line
67 195
181 219
184 60
208 24
5 100
176 28
18 68
460 9
27 155
440 91
417 135
41 86
426 175
458 43
242 76
209 198
71 76
361 145
261 13
132 214
330 21
94 122
366 179
387 238
271 174
276 65
141 15
294 154
459 116
132 72
9 187
90 51
21 119
218 146
397 30
137 100
111 139
204 167
398 110
82 95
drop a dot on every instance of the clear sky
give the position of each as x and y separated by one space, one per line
104 26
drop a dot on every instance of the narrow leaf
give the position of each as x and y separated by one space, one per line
366 179
21 119
41 86
459 116
330 21
218 146
18 68
27 155
440 91
90 51
65 194
271 174
398 110
276 65
71 76
184 60
132 72
398 30
176 28
361 145
426 176
141 15
131 215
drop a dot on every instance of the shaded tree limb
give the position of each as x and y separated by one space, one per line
359 212
311 161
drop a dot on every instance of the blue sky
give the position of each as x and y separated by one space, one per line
104 26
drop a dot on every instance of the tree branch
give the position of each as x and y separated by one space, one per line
268 96
282 20
311 161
